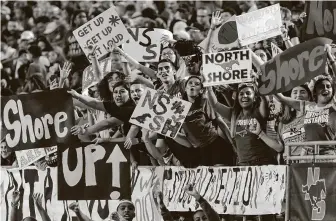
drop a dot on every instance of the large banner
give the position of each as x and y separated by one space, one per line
30 181
37 120
103 30
320 20
227 67
259 25
160 113
94 171
223 38
229 190
146 45
312 193
147 181
295 66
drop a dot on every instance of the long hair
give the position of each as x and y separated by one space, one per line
288 113
177 61
236 106
319 81
103 86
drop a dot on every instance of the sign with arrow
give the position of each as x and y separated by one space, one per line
94 172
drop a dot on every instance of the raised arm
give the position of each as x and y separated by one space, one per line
88 101
209 212
296 104
15 204
102 125
223 110
75 207
38 202
216 20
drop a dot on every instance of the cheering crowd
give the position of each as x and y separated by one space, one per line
226 125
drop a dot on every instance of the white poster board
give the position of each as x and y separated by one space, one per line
275 50
259 25
227 67
160 113
103 30
27 157
146 45
224 37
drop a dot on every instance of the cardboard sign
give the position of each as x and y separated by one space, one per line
146 45
293 67
275 50
160 113
32 181
224 37
320 20
229 190
259 25
312 191
147 182
90 171
37 120
103 30
27 157
227 67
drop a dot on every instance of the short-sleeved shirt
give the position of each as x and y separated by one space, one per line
319 122
122 113
249 146
198 124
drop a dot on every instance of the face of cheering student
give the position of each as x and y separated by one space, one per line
169 54
324 92
262 54
112 80
127 211
5 151
136 92
166 72
300 93
93 92
194 87
246 97
199 216
193 66
120 95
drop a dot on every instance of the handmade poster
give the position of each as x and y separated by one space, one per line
259 25
147 182
293 67
247 190
320 20
31 181
224 37
275 50
146 46
27 157
89 78
160 113
312 191
37 120
93 171
227 67
102 31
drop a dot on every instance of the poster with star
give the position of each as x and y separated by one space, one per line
160 113
102 31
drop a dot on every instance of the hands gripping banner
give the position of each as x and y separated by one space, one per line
37 120
94 171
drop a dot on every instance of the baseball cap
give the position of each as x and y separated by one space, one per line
27 35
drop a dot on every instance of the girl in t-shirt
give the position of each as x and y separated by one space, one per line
248 119
200 129
290 126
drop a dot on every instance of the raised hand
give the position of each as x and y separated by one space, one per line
74 207
38 199
74 93
77 130
255 128
190 189
216 19
65 70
